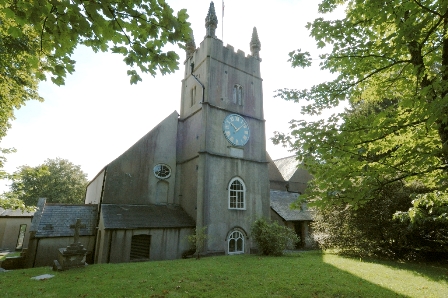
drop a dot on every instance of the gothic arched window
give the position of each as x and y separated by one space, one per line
237 192
238 94
235 242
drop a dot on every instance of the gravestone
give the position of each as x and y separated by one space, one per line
74 255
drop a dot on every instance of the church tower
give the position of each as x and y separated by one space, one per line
222 172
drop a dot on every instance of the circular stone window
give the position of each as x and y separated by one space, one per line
162 171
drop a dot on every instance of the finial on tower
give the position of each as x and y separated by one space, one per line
190 46
211 21
255 45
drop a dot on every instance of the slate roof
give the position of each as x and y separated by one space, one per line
54 220
280 202
120 216
15 213
287 166
274 173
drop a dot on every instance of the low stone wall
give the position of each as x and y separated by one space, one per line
11 263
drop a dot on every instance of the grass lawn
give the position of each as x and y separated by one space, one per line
307 274
11 254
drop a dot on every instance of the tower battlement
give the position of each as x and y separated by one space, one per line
222 76
213 47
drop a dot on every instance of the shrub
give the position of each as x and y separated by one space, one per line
426 225
197 240
371 230
271 238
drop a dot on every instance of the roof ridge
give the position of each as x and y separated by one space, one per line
284 158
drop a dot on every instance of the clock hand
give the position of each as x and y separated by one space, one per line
232 125
238 128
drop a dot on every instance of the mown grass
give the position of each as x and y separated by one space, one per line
11 254
309 274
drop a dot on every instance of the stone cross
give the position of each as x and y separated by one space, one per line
77 226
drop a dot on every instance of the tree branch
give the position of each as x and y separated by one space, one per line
426 8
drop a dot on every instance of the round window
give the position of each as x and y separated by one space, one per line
162 171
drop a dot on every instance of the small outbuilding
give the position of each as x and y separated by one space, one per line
52 228
14 227
297 219
288 180
129 233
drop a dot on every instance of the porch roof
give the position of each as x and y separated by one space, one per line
280 203
121 216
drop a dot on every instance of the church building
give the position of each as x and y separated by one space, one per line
205 167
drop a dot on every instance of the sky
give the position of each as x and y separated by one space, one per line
97 114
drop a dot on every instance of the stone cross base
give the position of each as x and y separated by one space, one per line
73 256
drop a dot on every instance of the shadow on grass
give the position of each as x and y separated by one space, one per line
307 274
311 276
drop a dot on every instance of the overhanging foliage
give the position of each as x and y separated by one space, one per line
37 40
392 64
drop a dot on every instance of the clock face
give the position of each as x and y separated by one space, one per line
236 130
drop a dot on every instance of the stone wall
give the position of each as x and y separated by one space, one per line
217 216
166 244
46 249
130 178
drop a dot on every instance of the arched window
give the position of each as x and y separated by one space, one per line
235 242
193 96
238 94
237 192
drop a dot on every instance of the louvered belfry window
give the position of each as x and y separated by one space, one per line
140 247
238 94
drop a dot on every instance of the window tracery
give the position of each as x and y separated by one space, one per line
235 242
237 192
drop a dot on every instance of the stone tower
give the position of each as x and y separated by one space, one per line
222 171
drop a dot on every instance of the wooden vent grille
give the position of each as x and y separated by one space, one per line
140 247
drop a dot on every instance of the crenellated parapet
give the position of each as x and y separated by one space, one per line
214 47
222 76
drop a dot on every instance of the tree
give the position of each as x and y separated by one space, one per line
426 225
58 180
37 39
391 58
370 229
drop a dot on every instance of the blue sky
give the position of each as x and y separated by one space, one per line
97 114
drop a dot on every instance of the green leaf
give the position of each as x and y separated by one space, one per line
39 37
391 77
